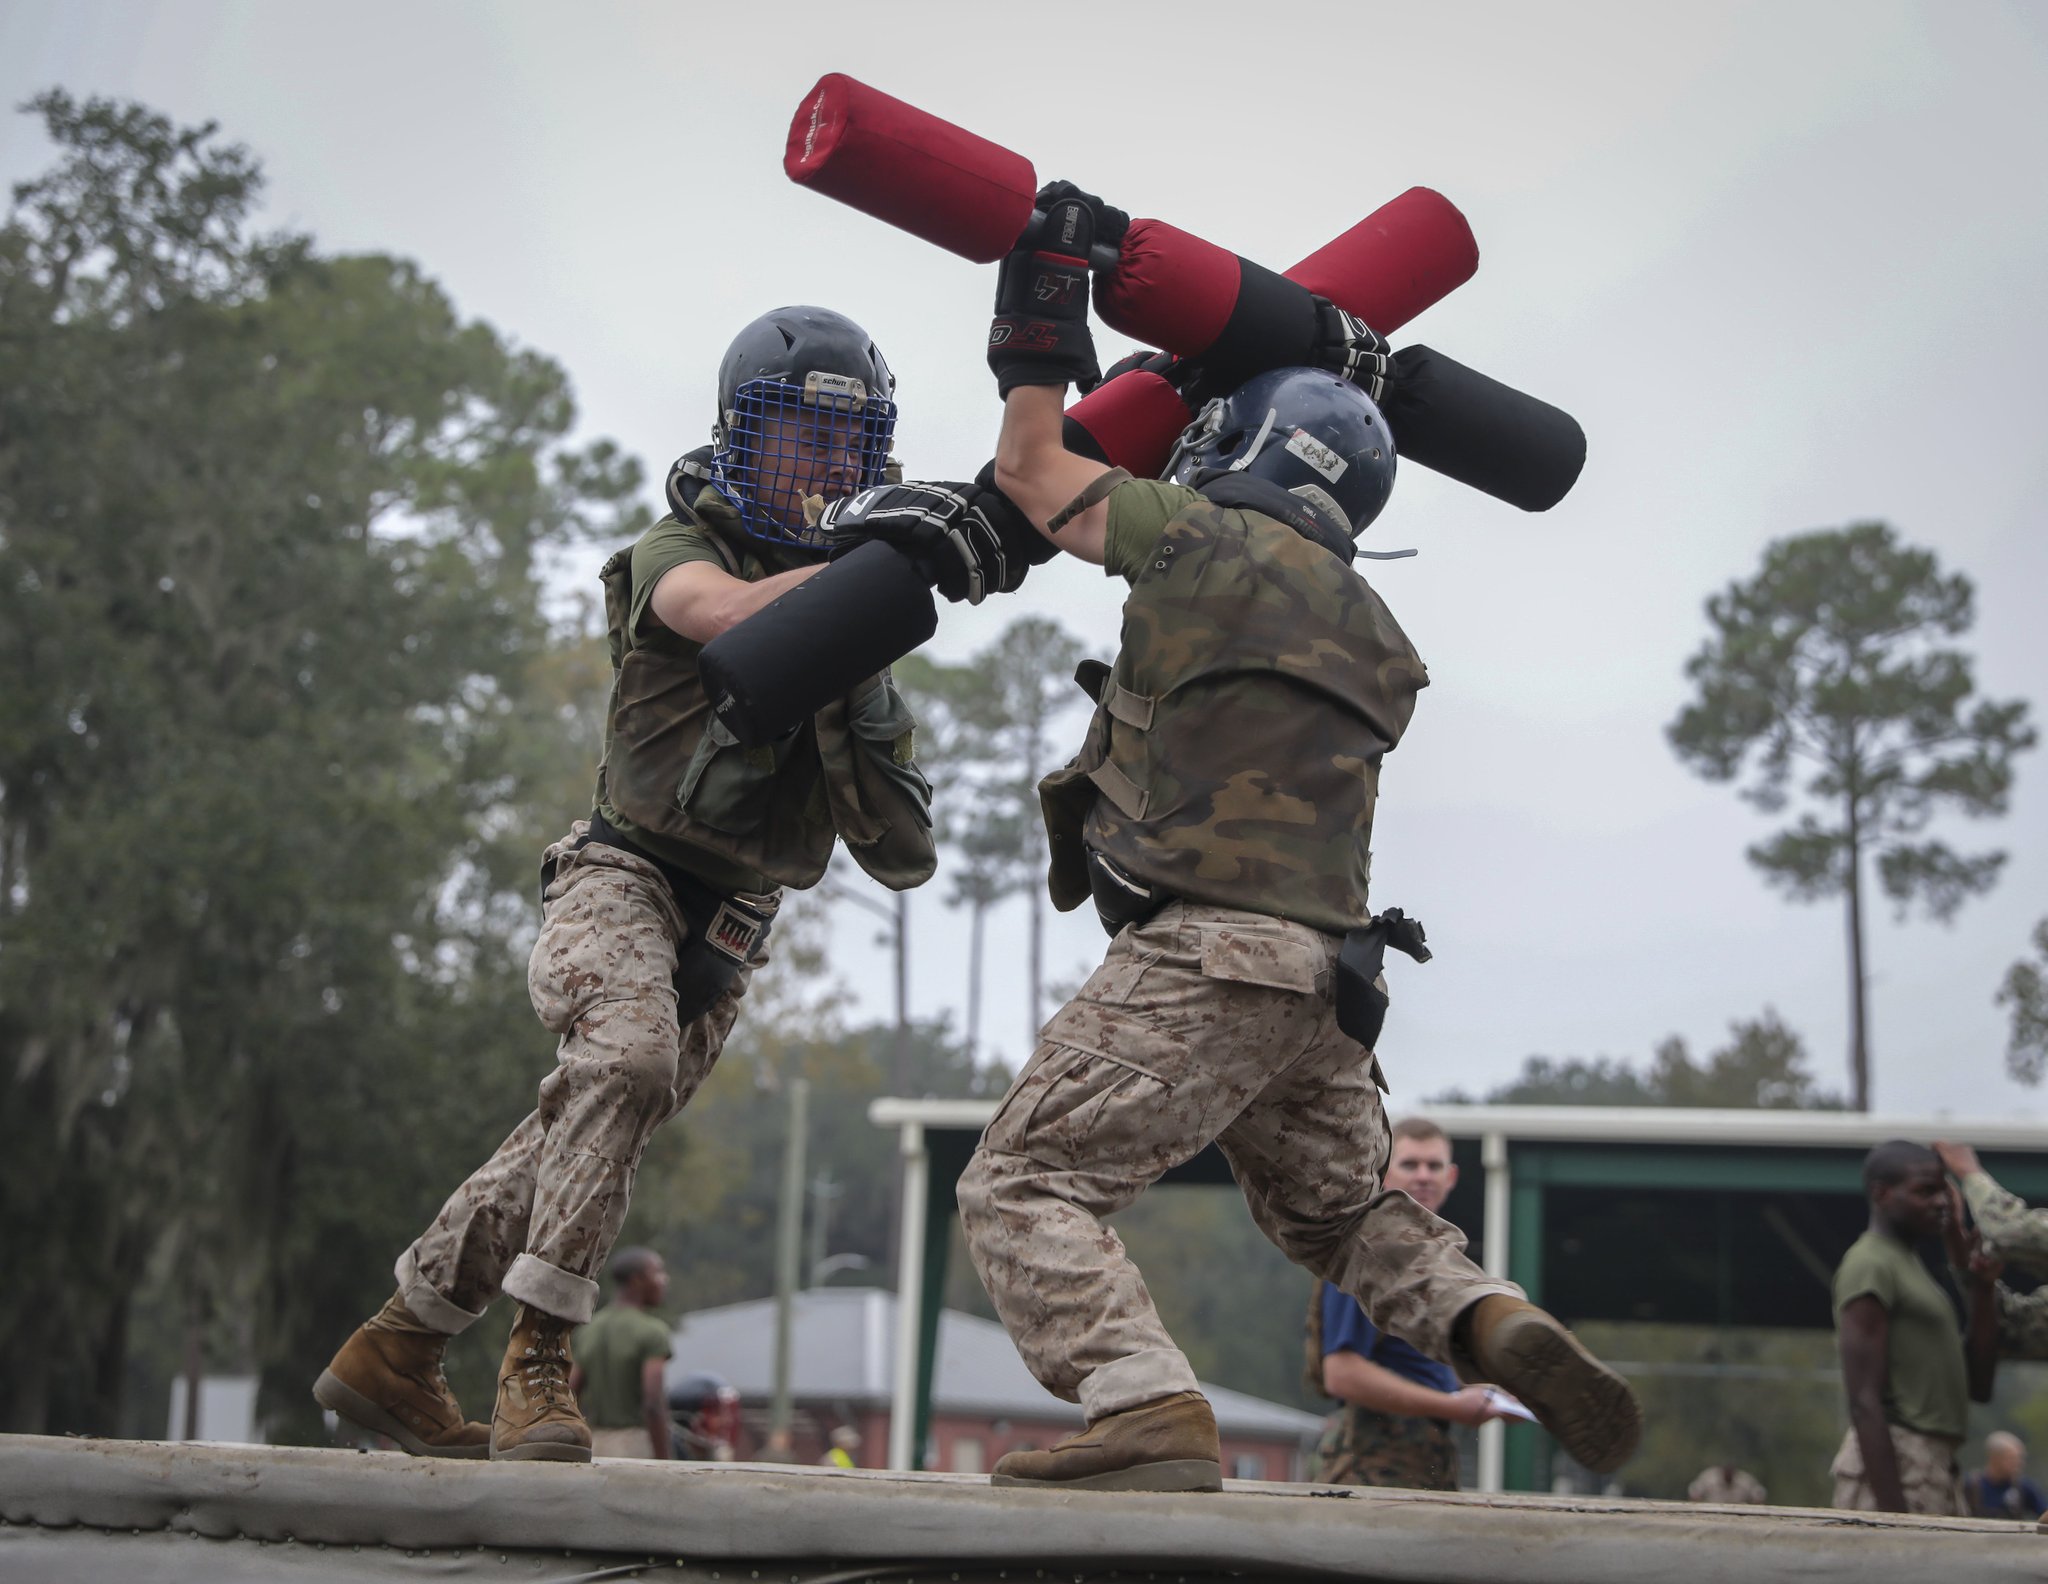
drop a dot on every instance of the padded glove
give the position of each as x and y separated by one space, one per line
966 539
1039 335
1351 349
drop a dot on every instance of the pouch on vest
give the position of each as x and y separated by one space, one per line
1361 996
1065 797
880 802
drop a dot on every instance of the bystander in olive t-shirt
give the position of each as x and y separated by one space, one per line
1139 510
1926 1382
611 1349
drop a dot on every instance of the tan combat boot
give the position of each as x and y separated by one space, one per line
387 1379
1582 1402
537 1416
1168 1445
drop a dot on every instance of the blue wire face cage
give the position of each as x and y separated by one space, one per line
781 441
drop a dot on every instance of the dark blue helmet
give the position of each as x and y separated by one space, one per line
804 408
1318 437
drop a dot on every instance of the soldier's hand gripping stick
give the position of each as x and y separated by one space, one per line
891 546
773 671
1170 289
1039 335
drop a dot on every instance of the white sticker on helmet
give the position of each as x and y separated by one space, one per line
835 390
1317 455
1322 501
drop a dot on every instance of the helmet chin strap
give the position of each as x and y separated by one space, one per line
1258 442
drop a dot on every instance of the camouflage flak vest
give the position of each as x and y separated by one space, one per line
1235 750
672 768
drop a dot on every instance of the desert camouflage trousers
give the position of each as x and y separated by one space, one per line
1928 1475
1203 1025
538 1219
1361 1447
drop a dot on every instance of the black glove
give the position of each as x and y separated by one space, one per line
1351 349
968 540
1110 223
1039 335
1174 370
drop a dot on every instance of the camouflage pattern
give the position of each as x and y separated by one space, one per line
1726 1485
1407 1451
2012 1231
634 1442
1928 1476
2018 1235
1204 1024
539 1218
672 769
1240 619
2022 1323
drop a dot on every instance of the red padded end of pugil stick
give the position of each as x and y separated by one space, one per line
1405 255
1169 289
1135 418
913 170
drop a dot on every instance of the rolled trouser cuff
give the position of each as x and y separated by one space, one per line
1135 1379
552 1290
425 1301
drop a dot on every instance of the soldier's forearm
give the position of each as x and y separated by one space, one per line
2019 1233
2022 1323
1364 1384
1880 1462
657 1428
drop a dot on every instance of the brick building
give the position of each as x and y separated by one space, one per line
984 1401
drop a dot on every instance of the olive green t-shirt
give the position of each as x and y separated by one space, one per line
611 1349
1926 1382
1139 510
667 545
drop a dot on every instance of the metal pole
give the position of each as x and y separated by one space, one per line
789 1236
1493 1156
909 1295
823 1191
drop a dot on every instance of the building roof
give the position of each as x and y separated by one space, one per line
843 1350
1611 1124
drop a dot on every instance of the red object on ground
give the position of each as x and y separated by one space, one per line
924 175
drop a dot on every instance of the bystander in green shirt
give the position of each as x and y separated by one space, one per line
1926 1382
611 1350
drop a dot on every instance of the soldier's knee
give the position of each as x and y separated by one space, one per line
639 1049
979 1189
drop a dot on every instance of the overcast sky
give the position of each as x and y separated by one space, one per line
1784 262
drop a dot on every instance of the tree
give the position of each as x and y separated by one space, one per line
2025 990
1763 1065
997 712
1830 662
956 707
273 711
